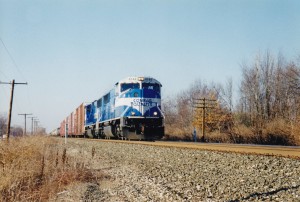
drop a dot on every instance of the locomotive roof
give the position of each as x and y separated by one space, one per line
135 79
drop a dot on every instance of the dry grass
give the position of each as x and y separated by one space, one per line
175 133
276 132
36 168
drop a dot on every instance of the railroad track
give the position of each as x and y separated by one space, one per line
282 151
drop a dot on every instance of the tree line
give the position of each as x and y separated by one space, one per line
264 111
16 131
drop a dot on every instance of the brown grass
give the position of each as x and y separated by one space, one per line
36 168
174 133
276 132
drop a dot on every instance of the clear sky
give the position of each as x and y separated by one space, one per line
71 51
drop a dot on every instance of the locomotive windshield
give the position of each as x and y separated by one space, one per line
126 86
151 86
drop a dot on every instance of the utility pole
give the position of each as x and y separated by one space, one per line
36 125
13 83
25 122
203 104
32 118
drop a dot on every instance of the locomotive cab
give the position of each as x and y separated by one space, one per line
140 103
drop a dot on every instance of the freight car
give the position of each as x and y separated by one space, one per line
131 110
73 125
55 132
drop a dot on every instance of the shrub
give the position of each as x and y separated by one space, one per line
276 132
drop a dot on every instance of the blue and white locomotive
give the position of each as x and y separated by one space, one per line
131 110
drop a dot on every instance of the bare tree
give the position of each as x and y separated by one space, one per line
3 125
17 131
169 109
270 90
257 88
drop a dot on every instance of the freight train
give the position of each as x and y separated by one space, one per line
130 110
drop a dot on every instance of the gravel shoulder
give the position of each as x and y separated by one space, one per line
149 173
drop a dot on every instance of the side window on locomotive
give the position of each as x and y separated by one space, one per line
126 86
99 103
88 109
106 99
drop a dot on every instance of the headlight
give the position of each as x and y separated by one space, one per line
155 113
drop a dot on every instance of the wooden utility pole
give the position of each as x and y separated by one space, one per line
203 104
25 122
13 83
36 122
32 119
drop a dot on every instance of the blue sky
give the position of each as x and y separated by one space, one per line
70 51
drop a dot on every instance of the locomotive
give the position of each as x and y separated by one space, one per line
130 110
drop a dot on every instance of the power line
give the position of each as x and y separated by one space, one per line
13 60
3 74
16 66
6 93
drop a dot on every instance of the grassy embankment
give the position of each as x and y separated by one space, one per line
36 168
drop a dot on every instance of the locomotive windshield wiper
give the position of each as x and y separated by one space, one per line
123 92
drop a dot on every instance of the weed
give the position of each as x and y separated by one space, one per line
30 172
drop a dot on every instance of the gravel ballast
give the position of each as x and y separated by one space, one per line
149 173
